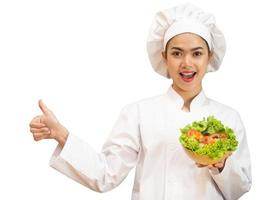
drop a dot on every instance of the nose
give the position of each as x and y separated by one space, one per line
186 62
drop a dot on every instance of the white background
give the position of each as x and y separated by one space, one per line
87 59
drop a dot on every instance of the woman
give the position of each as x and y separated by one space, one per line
184 43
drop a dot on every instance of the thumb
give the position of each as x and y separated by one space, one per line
43 107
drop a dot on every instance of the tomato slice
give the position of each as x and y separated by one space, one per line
194 133
204 139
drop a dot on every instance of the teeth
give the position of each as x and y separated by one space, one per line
188 75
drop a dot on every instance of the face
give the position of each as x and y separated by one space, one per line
187 57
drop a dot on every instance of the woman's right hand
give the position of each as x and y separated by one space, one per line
47 126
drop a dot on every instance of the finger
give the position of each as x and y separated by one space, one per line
40 138
43 107
41 135
200 165
36 119
40 130
37 125
210 166
218 165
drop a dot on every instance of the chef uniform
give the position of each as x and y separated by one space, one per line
146 133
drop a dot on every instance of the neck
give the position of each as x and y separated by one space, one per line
187 96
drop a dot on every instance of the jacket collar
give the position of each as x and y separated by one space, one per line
198 101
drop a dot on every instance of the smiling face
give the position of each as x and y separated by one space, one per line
187 57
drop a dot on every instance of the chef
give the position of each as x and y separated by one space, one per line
184 44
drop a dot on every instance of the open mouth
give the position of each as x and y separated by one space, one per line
187 76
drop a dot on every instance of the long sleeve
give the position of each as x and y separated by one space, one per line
102 171
235 179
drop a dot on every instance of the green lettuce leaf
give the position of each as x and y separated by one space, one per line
209 126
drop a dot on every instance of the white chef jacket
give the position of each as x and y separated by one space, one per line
145 136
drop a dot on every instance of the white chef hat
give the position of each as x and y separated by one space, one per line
182 19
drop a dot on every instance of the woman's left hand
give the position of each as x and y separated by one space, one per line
218 165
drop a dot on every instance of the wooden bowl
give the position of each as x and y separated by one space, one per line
203 159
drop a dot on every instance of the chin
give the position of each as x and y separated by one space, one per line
186 87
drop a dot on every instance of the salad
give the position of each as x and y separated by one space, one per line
208 137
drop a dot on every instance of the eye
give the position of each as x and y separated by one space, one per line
176 53
197 53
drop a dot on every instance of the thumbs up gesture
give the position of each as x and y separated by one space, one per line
47 126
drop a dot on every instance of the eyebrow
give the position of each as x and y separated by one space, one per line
180 49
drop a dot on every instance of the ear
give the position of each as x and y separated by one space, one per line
210 56
163 55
